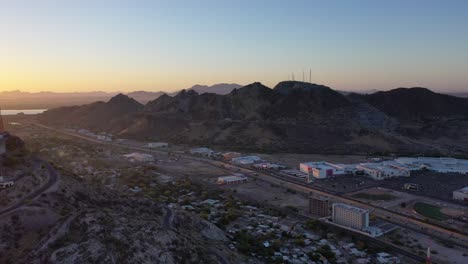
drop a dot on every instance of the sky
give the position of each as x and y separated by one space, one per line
118 45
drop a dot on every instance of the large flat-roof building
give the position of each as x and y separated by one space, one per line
206 152
384 170
461 194
319 206
350 216
321 169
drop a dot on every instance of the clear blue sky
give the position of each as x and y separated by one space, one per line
166 45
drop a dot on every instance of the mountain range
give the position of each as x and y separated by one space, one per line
48 100
291 117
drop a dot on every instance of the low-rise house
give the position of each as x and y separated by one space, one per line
232 179
157 145
205 152
139 157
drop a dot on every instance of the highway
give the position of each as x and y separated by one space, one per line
390 216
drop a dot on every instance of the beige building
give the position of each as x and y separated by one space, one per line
350 216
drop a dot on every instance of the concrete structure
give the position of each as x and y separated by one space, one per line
139 157
206 152
232 179
321 169
157 145
384 170
461 194
231 155
385 258
246 160
350 216
2 144
319 206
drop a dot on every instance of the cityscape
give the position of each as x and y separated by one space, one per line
111 153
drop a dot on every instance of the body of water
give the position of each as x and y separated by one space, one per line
26 112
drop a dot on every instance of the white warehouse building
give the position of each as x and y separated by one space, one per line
384 170
461 194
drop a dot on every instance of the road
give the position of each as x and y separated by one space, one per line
53 177
390 216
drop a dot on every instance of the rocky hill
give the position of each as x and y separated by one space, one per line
75 221
293 117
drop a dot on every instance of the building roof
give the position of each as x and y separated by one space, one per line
463 190
350 207
232 178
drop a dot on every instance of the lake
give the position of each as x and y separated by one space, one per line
26 112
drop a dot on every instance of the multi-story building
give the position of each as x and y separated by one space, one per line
350 216
319 206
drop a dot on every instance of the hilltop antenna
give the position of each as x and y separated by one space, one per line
310 75
293 76
303 76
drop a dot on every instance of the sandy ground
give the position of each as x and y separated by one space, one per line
440 252
262 191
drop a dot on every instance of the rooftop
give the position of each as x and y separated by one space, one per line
350 207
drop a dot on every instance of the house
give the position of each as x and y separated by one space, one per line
232 179
5 184
139 157
205 152
231 155
157 145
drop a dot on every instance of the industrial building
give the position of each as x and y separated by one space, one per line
139 157
350 216
319 206
461 194
157 145
205 152
232 179
246 160
384 170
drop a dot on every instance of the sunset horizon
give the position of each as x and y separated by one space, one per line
158 46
